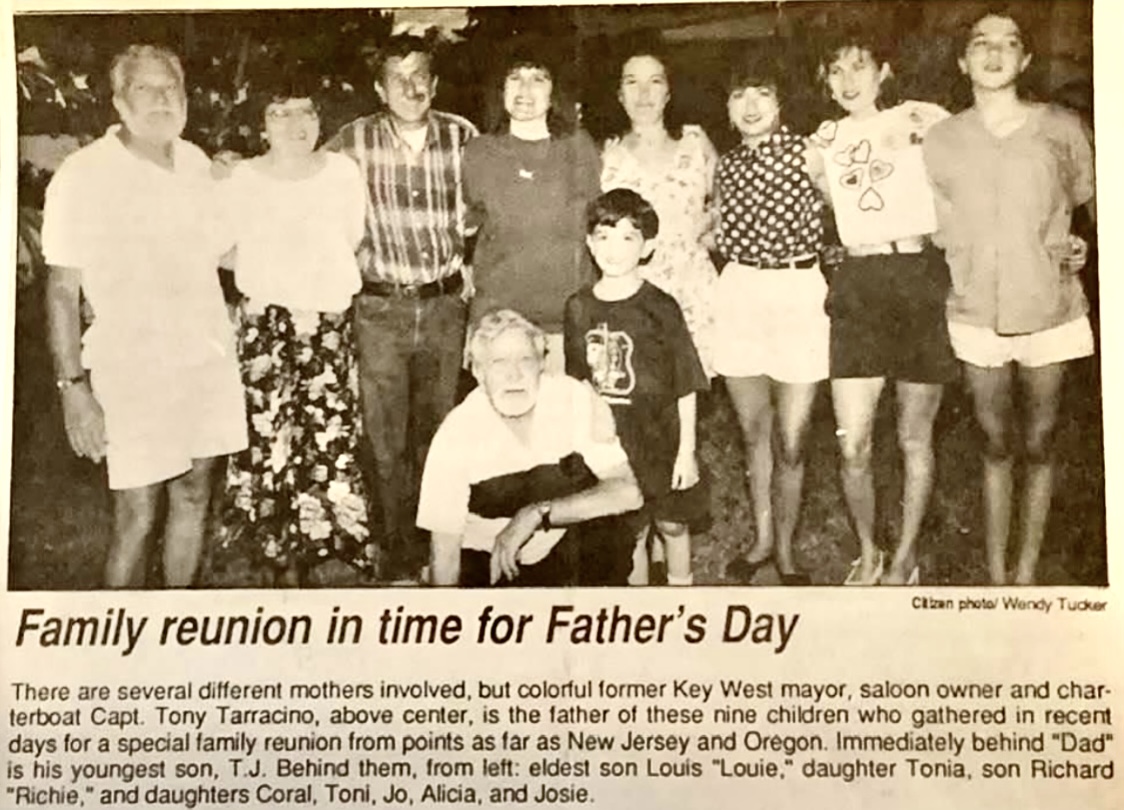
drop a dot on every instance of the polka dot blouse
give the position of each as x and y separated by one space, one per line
770 210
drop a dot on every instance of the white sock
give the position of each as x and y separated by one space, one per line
687 580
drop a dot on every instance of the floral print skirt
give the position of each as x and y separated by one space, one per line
296 495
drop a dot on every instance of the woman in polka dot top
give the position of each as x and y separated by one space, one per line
771 331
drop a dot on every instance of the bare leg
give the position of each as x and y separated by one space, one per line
918 404
794 408
188 498
134 519
677 543
639 574
1041 392
856 402
750 396
444 559
991 394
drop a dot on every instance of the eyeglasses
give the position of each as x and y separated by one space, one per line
292 114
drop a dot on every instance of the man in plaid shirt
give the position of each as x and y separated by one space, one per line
410 314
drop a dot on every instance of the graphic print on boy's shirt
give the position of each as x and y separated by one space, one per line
609 353
874 166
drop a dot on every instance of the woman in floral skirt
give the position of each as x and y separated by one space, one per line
295 497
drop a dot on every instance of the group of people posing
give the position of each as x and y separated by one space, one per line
594 313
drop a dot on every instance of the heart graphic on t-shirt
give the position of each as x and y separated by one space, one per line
871 200
880 170
852 179
826 132
856 153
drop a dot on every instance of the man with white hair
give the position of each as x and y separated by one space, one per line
152 386
524 458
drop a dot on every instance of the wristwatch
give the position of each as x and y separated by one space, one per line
66 382
544 515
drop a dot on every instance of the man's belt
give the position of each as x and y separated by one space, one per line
432 289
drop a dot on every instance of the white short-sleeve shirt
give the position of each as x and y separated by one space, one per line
473 444
148 242
296 239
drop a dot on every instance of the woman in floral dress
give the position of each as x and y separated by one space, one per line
670 165
295 497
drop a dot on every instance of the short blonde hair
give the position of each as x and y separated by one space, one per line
493 324
125 63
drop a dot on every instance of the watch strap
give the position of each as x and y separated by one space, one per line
64 383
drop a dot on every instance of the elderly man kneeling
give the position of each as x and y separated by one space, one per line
525 480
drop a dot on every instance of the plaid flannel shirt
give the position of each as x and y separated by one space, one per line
415 228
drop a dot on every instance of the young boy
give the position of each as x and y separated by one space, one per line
630 341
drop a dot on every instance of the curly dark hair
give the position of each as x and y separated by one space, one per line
620 204
880 45
537 53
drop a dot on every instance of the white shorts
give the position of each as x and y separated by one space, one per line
159 420
985 348
771 323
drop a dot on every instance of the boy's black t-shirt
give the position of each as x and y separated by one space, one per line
640 357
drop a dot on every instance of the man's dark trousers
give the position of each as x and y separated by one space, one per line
410 354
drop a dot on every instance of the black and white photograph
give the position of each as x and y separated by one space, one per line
772 294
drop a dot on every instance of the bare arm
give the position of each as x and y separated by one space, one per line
82 415
685 473
814 167
615 493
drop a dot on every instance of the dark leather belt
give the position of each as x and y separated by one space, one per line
802 263
805 263
432 289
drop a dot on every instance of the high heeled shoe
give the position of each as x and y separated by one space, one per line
744 570
854 575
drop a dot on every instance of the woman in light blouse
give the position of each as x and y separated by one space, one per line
295 497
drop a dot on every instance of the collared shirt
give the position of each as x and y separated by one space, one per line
564 422
1005 206
770 209
415 207
148 242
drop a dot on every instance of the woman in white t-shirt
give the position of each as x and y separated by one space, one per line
296 496
888 295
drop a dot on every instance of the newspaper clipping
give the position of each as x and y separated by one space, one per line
664 405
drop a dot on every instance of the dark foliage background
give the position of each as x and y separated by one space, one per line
58 542
229 57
